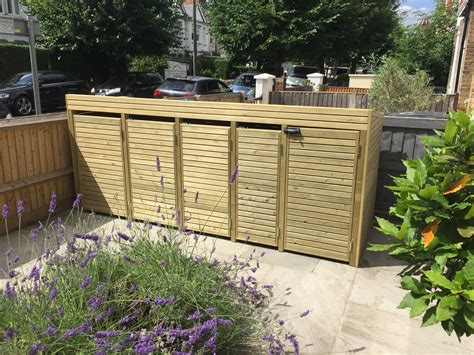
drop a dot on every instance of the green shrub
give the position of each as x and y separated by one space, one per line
16 59
394 90
223 68
149 63
435 200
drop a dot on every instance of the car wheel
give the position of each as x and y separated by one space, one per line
23 105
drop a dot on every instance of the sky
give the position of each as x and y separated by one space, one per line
411 7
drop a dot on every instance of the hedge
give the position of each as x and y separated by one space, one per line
16 59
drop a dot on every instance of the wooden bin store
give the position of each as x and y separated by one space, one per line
306 177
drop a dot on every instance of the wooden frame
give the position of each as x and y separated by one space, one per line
329 148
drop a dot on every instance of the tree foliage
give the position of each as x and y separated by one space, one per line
275 30
107 31
429 46
395 90
435 200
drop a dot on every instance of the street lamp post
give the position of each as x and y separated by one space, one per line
34 65
194 39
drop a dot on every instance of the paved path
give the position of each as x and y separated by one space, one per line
352 310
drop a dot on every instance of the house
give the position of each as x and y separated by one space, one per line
461 76
10 12
206 43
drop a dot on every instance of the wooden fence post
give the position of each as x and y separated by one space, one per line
352 100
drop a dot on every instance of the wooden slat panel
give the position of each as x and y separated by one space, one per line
258 169
319 199
211 212
149 140
100 164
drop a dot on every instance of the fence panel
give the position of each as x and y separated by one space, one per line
35 161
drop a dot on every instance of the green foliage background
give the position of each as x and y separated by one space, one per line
435 200
16 59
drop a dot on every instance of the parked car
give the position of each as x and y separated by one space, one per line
191 86
17 91
245 83
296 74
4 111
138 84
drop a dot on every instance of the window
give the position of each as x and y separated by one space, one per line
53 78
211 40
13 7
216 87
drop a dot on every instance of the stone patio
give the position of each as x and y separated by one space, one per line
351 310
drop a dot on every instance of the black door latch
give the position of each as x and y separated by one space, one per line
292 130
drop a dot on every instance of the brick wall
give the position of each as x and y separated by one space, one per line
467 71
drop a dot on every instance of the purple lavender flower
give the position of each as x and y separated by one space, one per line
100 287
162 180
53 202
128 258
127 319
34 273
53 294
13 273
9 251
196 197
95 302
85 282
106 333
60 312
50 330
83 328
5 211
304 314
158 209
234 175
292 339
123 236
77 201
281 322
129 225
9 333
90 254
91 236
144 347
71 247
268 287
164 301
20 209
195 315
133 287
211 310
158 164
14 260
254 269
37 347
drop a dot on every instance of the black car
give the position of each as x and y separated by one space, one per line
17 92
4 111
191 86
139 84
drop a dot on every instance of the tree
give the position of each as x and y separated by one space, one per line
313 30
429 45
104 33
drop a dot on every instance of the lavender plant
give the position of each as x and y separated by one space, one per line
140 288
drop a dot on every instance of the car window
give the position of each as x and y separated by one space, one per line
213 87
245 80
223 87
53 78
141 79
178 85
301 72
18 80
152 79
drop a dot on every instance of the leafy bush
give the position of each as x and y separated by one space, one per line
148 63
16 59
223 68
394 90
141 288
435 199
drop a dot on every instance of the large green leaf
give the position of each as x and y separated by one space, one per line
468 272
387 227
407 301
469 294
381 247
448 307
469 317
419 306
450 131
413 285
428 191
466 232
440 280
429 318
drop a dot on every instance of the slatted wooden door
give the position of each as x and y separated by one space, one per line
205 154
152 170
100 164
258 185
322 167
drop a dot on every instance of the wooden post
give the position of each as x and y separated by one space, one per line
72 139
126 165
353 100
282 188
178 172
233 188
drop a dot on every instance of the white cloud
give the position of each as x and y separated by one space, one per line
412 15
